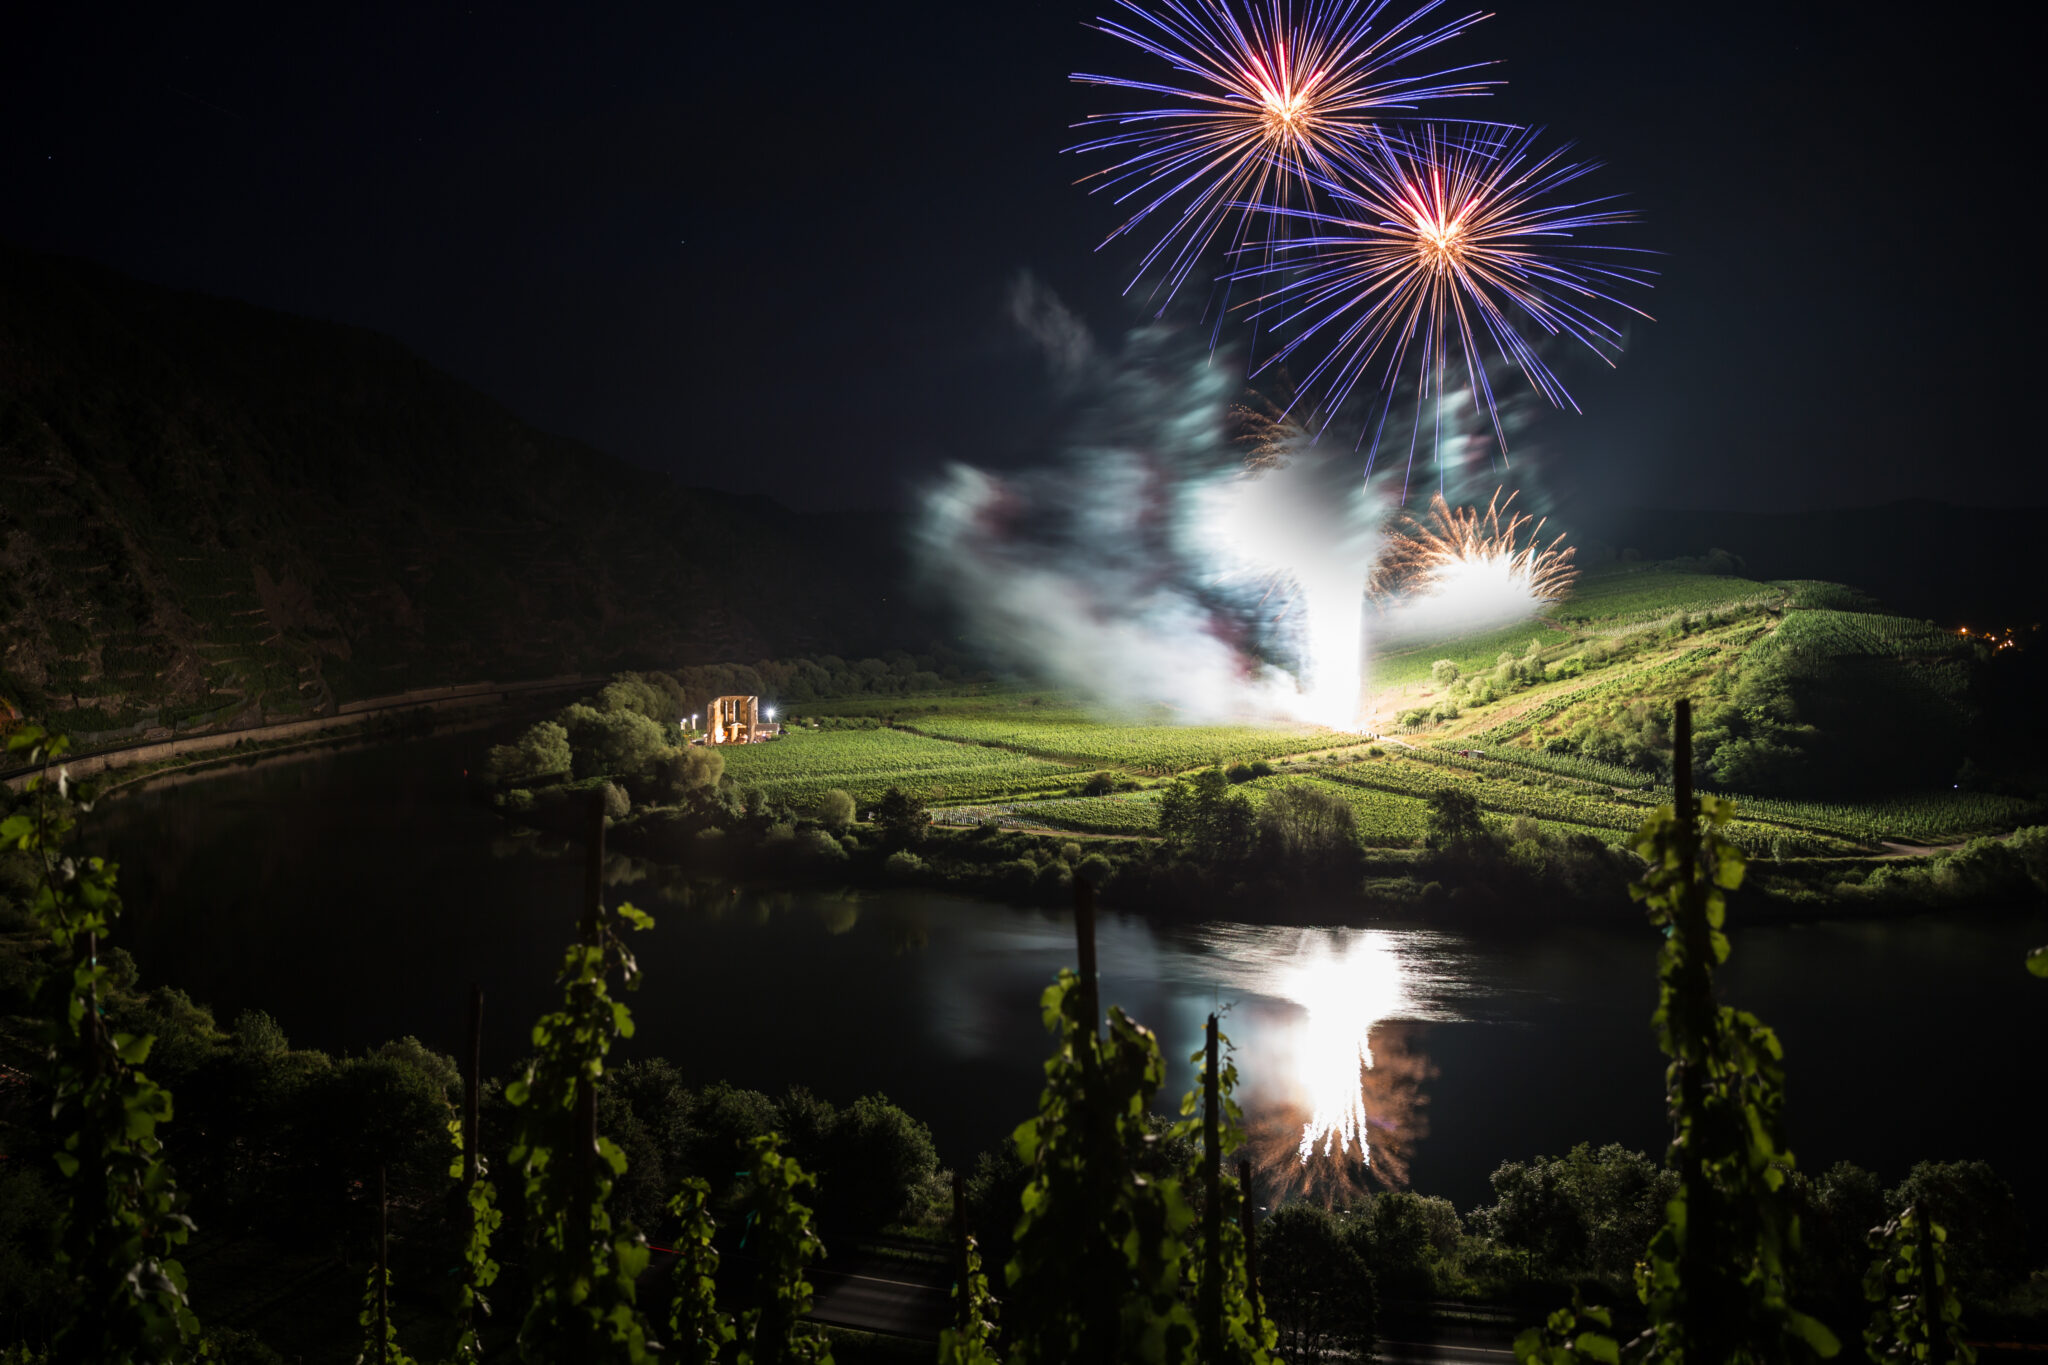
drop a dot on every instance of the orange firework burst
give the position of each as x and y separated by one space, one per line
1456 547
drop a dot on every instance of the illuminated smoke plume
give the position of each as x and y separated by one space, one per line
1174 552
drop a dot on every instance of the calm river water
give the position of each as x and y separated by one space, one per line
354 895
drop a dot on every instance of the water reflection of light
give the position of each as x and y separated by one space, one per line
1329 1022
1346 988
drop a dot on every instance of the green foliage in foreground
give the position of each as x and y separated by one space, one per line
1715 1283
584 1273
1100 1249
971 1338
1917 1315
124 1216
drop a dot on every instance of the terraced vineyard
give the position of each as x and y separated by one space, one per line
1012 748
1155 750
801 767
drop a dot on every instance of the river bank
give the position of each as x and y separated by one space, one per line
396 715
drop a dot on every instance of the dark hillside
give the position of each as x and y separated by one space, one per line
207 507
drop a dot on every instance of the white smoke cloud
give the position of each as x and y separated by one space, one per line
1145 564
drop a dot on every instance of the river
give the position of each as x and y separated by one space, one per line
354 894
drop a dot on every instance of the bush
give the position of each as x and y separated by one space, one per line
682 771
904 864
1096 870
616 803
835 810
1443 672
542 751
612 743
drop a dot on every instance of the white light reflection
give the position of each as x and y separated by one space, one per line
1346 989
1342 984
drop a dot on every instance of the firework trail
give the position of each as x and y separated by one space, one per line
1266 95
1434 249
1499 547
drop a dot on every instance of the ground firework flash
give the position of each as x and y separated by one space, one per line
1460 551
1435 252
1265 96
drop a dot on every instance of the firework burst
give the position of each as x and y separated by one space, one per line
1436 252
1460 550
1266 97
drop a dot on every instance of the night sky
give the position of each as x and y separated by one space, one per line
767 249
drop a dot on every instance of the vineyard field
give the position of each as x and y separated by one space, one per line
1622 594
1155 750
801 767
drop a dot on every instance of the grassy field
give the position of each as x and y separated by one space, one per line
1628 641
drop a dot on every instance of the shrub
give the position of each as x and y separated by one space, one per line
616 803
835 810
1095 869
1443 672
542 751
904 864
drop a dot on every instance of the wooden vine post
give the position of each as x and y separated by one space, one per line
1248 1220
1209 1305
472 1082
383 1272
591 930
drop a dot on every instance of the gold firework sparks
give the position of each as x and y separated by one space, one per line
1455 542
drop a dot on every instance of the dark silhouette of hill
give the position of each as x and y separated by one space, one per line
208 505
1975 566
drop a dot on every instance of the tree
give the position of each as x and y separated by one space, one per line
901 817
1204 818
835 810
680 772
1443 672
542 750
1310 833
1317 1288
612 743
1454 819
877 1156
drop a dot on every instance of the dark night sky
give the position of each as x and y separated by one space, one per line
768 250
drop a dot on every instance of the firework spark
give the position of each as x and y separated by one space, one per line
1459 551
1268 93
1436 251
